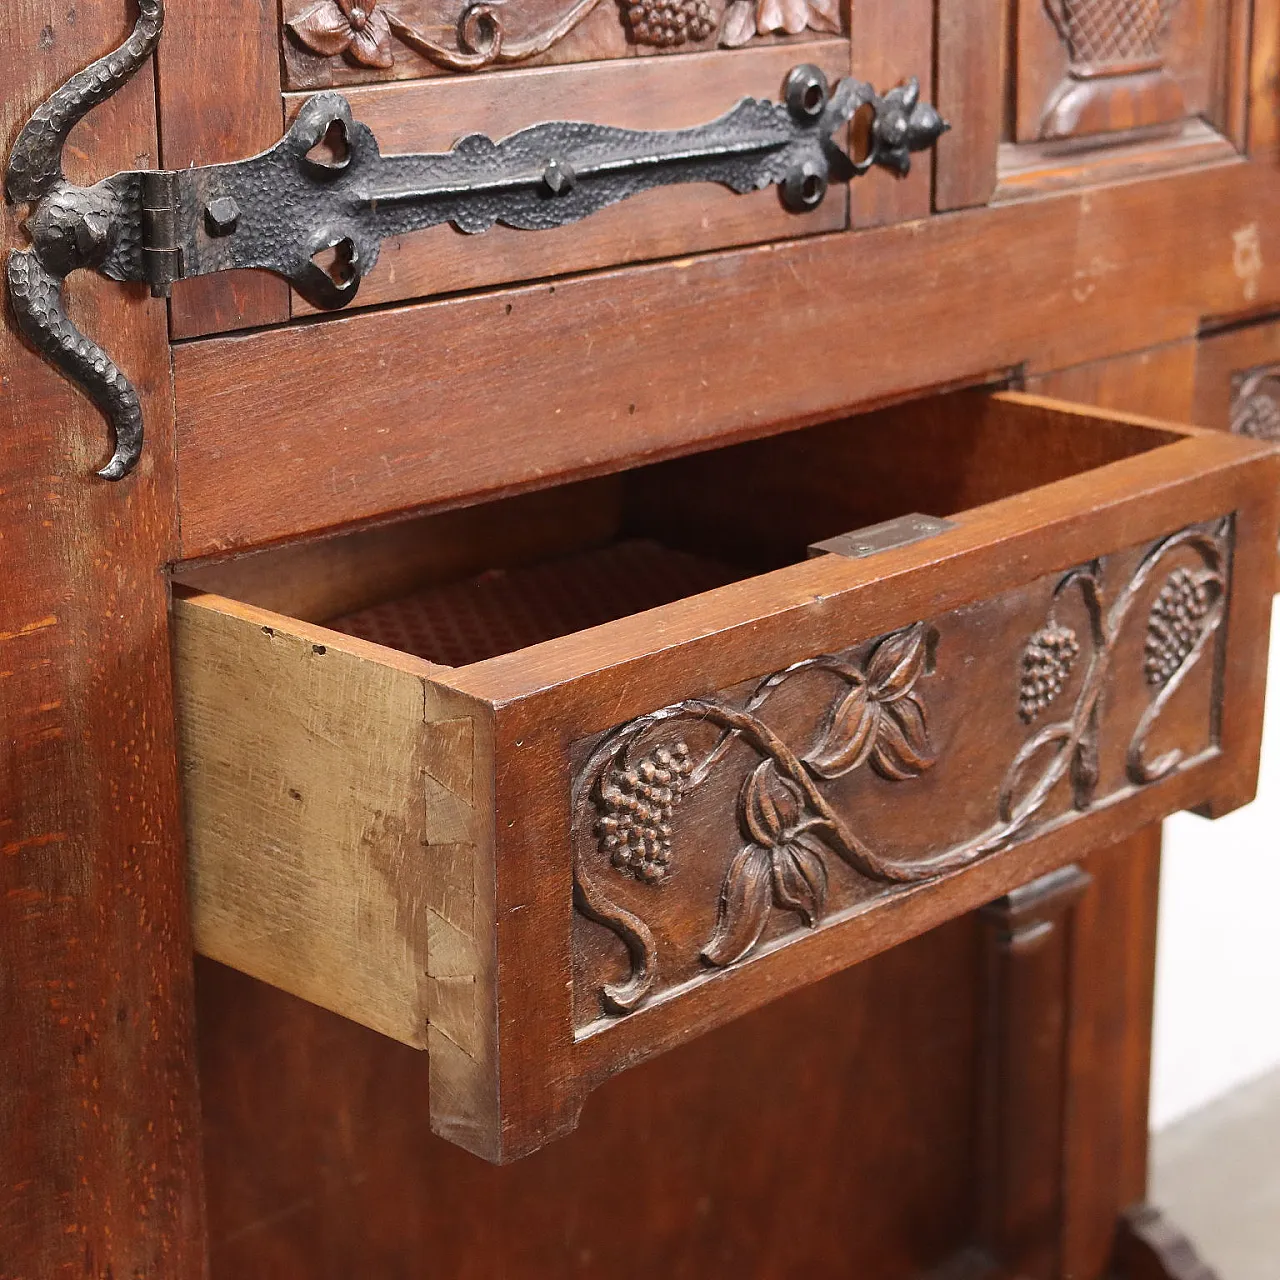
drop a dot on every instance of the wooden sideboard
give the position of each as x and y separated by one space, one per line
634 743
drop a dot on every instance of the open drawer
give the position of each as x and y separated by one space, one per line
581 835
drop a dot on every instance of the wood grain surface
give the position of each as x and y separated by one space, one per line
99 1122
218 83
744 1153
364 415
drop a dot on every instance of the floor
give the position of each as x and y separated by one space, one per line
1216 1174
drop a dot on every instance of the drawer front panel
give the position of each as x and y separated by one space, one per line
720 828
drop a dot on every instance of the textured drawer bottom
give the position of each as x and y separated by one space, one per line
502 610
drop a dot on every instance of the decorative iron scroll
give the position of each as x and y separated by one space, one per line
629 794
288 208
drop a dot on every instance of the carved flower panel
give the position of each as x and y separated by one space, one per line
719 828
337 42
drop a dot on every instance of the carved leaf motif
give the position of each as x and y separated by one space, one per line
800 878
880 719
770 804
341 26
782 15
323 28
739 24
824 15
849 735
744 907
901 748
744 19
371 44
896 663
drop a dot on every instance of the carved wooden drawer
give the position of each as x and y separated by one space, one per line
543 863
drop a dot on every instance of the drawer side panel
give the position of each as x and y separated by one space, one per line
335 842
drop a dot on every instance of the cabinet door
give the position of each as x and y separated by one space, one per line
1059 93
425 73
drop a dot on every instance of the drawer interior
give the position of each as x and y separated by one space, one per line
460 586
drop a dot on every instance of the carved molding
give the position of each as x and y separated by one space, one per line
1255 403
366 32
632 790
1116 75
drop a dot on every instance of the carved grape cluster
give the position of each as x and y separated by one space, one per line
1046 666
1174 625
637 804
666 23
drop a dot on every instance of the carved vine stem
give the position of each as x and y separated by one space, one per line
361 29
482 40
634 781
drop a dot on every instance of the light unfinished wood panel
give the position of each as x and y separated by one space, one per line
335 830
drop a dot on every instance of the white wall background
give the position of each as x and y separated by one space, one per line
1217 1021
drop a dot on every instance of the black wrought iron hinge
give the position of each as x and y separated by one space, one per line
325 188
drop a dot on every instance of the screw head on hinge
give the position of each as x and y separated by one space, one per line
807 91
804 187
221 215
558 176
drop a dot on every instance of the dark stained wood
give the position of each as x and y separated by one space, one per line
318 580
1109 1066
1027 1024
219 92
1223 360
376 413
1107 68
567 31
1095 100
601 35
1263 110
99 1123
1152 1248
891 43
1112 978
644 93
1159 382
1034 169
831 1132
972 52
1231 83
827 1132
1236 386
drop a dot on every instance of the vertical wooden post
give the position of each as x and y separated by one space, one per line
100 1164
1024 1088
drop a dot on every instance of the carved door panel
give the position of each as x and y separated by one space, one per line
1086 90
425 73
